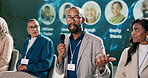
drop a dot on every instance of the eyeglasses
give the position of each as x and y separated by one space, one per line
74 18
31 27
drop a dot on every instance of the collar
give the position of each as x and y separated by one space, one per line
37 36
80 37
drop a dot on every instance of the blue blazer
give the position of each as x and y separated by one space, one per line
40 56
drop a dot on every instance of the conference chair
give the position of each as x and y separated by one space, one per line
13 60
51 69
110 66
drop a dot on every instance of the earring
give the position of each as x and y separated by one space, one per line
146 38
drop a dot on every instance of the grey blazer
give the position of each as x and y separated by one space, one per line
86 67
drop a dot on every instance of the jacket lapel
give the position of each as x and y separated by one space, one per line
35 44
82 47
145 65
67 42
25 48
135 62
132 67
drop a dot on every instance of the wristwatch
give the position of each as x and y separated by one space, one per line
102 69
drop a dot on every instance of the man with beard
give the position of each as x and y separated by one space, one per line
145 8
77 57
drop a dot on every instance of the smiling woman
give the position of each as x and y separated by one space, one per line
92 12
117 16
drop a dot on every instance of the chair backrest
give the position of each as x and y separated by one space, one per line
51 69
110 66
13 60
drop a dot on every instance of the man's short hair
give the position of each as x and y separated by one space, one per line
81 14
32 19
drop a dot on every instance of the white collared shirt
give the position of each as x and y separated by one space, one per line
30 43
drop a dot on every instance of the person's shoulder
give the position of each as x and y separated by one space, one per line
110 19
125 51
8 37
45 38
122 15
27 39
92 36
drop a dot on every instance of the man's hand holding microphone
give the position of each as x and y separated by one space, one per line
61 48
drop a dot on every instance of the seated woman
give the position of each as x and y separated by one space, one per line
6 45
134 60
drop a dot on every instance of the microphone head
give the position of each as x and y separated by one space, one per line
62 36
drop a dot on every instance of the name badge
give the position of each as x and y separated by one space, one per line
24 61
71 67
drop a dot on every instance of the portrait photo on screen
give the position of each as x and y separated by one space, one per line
47 14
141 9
63 11
116 12
92 12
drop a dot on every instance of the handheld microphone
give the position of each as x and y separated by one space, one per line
62 37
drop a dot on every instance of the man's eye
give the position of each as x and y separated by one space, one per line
31 27
77 17
36 27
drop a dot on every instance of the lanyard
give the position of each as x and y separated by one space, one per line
73 51
26 54
28 47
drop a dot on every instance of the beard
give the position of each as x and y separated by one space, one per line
144 13
78 28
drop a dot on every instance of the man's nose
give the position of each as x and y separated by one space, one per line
72 20
34 28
